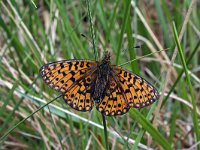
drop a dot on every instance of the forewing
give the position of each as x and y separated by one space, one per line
114 102
63 75
138 92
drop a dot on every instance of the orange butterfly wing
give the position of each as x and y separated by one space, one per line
79 97
138 92
126 90
114 102
72 78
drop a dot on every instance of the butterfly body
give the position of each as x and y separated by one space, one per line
100 81
85 83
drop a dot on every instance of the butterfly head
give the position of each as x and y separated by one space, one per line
106 58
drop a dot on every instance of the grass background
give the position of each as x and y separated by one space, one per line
34 33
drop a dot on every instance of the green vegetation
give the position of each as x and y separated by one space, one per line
32 33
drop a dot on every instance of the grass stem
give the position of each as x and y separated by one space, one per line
105 131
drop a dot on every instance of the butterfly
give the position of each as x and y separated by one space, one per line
85 83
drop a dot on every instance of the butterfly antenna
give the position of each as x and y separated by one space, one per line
135 47
83 35
143 57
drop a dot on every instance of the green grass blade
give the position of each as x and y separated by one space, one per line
163 23
126 14
142 131
194 114
135 114
181 73
15 126
132 53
